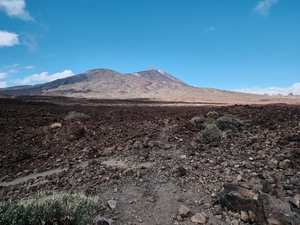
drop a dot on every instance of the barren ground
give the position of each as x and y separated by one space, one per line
144 156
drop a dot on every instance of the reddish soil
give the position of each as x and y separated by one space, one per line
144 156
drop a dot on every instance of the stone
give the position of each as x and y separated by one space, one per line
112 204
218 210
234 222
234 197
272 163
245 217
214 195
198 218
103 221
184 211
252 216
294 202
285 164
277 211
265 206
273 221
181 171
179 218
219 217
205 215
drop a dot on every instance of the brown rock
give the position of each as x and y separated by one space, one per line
198 218
252 216
265 207
234 222
184 211
245 217
272 163
285 164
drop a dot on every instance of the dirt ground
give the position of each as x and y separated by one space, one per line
143 156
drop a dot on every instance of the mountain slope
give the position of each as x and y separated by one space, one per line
158 75
149 84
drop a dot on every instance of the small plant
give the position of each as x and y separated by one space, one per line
211 133
198 122
211 126
50 208
76 116
212 114
228 123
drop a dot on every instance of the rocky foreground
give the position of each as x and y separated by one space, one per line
143 162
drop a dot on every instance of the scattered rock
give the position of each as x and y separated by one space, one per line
184 211
234 222
198 218
103 221
112 204
181 171
245 217
123 151
267 209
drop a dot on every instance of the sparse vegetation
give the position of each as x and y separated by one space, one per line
211 133
76 116
211 126
198 122
228 123
51 209
212 114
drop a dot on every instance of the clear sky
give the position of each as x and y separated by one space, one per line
249 45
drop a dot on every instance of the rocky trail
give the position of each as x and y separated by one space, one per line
145 166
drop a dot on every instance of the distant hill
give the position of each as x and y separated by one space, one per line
150 84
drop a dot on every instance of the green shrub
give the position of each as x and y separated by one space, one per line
212 114
211 133
50 208
228 123
198 122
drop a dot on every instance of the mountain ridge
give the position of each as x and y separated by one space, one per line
152 84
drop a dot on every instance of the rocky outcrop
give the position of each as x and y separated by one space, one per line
264 208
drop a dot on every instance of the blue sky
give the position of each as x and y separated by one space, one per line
246 45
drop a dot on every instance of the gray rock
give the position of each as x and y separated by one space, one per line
112 204
103 221
198 218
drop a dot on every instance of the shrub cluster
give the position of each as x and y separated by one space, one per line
210 133
211 126
51 209
228 123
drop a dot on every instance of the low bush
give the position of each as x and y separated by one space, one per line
228 123
76 116
198 122
212 114
211 126
211 133
51 209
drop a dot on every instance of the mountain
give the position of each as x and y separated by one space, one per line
150 84
158 75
